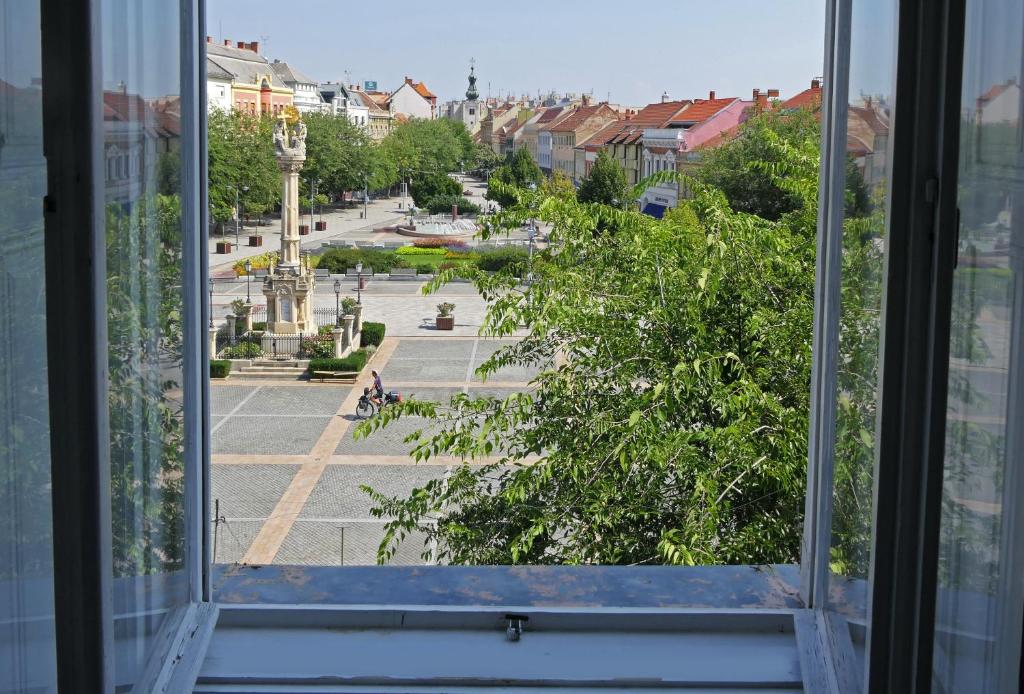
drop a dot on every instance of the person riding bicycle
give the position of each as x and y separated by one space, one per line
376 389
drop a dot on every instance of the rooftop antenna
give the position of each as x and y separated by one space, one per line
264 41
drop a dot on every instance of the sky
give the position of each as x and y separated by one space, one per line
630 53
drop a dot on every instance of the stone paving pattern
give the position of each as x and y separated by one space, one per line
256 424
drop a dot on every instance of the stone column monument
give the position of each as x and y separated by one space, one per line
289 285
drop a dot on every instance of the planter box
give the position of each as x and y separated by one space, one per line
445 322
303 230
320 226
223 247
255 240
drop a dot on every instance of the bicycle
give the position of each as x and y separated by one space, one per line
366 407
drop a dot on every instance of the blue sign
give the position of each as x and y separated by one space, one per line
370 86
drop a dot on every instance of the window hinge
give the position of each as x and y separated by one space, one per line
514 630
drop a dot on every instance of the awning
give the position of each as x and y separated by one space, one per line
655 210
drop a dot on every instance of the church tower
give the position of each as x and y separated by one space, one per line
471 114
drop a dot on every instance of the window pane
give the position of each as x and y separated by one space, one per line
142 114
872 59
979 614
27 656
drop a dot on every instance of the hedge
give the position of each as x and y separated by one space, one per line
338 260
501 258
414 250
373 334
219 368
353 362
244 350
442 204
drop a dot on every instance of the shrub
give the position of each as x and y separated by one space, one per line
501 258
430 243
219 368
353 362
348 306
445 309
373 334
243 350
259 326
442 204
259 262
413 250
317 347
338 260
427 186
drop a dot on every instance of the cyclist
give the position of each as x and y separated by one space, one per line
376 389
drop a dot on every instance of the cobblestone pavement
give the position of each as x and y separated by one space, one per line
287 471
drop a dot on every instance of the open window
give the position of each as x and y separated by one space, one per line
910 568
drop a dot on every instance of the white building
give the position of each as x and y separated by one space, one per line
414 100
218 87
307 91
346 101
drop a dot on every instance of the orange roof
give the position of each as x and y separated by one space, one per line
701 109
659 114
422 90
582 115
808 98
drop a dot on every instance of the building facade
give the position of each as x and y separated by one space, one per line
579 126
306 97
413 100
255 87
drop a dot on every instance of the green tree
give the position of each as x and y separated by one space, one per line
524 169
606 183
338 153
427 186
559 186
668 421
241 153
750 188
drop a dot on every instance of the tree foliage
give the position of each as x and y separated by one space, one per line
422 146
427 186
668 422
338 153
518 171
241 153
606 183
750 188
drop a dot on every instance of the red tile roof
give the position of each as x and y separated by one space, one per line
422 90
582 115
871 118
808 98
701 109
995 90
659 114
549 115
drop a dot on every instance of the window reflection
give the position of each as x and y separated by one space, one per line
868 124
979 615
145 308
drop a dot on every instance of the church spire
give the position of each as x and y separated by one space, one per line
472 94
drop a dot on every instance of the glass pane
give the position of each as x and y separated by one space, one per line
871 66
27 655
142 156
979 616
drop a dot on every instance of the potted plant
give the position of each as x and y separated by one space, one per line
445 318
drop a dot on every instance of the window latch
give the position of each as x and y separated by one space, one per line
514 630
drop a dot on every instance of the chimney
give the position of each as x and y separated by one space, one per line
241 44
815 84
227 42
711 95
209 39
408 80
773 93
665 97
255 46
586 99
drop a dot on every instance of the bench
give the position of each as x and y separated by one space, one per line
336 375
403 272
321 272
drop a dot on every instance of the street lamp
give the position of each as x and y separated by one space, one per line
359 283
312 194
248 271
337 303
366 197
210 283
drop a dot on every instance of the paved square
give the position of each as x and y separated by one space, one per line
291 400
337 494
249 491
389 440
233 539
416 371
320 543
432 348
269 435
225 398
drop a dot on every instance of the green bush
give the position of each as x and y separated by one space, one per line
427 186
373 334
244 350
219 368
353 362
442 204
317 348
414 250
501 258
259 326
338 260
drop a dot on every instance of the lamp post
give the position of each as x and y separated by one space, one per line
238 215
366 197
210 284
241 209
337 303
359 283
312 194
248 271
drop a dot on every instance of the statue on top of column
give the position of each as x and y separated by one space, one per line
290 141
